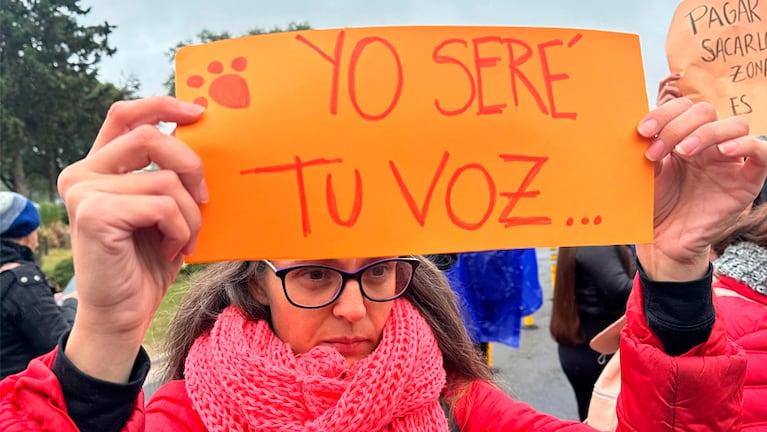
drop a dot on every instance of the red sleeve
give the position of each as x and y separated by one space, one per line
486 408
170 409
32 400
700 390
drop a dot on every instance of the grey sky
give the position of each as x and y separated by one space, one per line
147 29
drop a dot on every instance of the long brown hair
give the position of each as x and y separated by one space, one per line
565 324
751 227
232 283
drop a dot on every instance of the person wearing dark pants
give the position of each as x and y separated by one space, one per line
591 288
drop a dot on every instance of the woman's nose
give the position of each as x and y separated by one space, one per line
350 305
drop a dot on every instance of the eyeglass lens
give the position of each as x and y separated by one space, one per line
317 285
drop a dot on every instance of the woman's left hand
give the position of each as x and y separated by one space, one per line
707 172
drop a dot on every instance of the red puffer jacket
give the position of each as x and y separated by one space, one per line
698 391
745 315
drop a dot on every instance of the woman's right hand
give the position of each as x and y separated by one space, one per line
130 229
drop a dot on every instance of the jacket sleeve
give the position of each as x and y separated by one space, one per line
486 408
170 409
33 400
604 264
34 311
701 389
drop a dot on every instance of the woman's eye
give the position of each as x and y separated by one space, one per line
379 270
318 274
314 274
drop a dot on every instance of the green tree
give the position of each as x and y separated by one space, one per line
52 102
206 36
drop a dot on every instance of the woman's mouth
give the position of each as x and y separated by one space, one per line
348 347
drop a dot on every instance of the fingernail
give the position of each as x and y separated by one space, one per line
728 147
648 128
203 190
191 108
655 150
687 146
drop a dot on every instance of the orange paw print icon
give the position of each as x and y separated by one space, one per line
228 90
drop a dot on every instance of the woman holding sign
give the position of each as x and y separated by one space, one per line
362 343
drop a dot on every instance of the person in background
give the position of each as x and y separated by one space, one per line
740 287
667 89
30 320
358 343
591 287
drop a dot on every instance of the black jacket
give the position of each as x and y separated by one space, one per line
602 286
30 321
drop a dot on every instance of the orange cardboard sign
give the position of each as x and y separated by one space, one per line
720 49
406 140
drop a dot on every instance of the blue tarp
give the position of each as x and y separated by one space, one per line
497 289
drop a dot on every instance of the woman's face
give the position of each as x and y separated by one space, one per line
31 240
352 324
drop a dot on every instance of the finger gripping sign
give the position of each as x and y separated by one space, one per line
407 140
720 48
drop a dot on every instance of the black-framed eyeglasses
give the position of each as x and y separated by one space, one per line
312 286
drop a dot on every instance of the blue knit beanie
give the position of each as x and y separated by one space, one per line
18 216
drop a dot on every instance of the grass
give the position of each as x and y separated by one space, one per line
159 325
54 257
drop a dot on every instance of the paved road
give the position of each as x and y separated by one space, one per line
531 373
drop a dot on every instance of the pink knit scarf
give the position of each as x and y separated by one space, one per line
242 377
